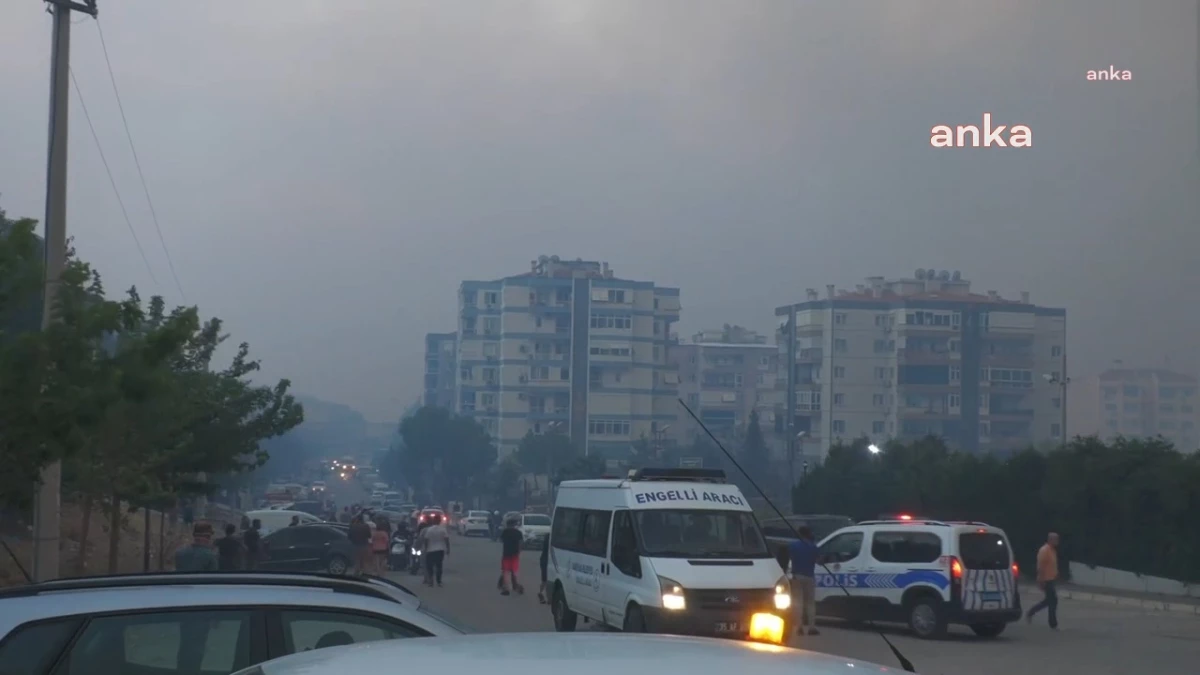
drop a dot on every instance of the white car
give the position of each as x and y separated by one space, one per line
580 654
277 519
535 527
926 573
475 522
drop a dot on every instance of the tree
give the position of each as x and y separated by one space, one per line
443 451
544 453
756 460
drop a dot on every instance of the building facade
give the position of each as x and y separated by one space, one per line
440 369
905 358
725 375
567 346
1137 403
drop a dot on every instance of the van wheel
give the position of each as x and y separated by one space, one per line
926 617
564 618
634 622
988 630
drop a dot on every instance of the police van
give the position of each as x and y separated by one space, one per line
664 551
926 573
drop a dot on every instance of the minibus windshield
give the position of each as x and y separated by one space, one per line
700 533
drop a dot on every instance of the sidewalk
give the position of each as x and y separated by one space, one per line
1147 601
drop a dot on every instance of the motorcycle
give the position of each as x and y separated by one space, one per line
399 553
414 565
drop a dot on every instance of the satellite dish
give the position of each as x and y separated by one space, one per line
931 273
944 276
920 274
957 276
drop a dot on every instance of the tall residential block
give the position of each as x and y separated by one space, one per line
725 375
1137 403
440 369
568 346
905 358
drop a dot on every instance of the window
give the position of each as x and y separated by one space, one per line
595 533
466 374
566 532
839 371
839 318
700 533
839 399
608 428
616 296
954 400
1055 431
490 375
491 325
881 346
610 351
839 345
316 629
491 349
1057 403
841 548
877 400
31 648
1056 351
487 400
877 427
611 321
839 426
955 373
880 373
491 298
983 551
906 547
215 641
625 545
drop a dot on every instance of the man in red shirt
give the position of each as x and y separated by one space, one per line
510 558
1047 579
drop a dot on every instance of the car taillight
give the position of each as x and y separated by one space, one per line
956 569
1016 571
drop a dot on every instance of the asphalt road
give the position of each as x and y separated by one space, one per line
1092 638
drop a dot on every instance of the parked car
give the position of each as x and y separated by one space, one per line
309 548
475 522
209 624
277 519
579 654
535 527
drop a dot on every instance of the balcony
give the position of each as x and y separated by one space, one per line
908 355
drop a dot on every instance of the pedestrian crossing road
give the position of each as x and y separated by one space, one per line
1093 638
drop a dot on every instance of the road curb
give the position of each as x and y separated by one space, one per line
1122 601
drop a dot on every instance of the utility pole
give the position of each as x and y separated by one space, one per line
46 514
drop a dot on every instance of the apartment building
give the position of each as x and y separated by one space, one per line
1137 402
726 374
904 358
568 346
440 369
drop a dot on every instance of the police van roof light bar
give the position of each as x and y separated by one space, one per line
678 475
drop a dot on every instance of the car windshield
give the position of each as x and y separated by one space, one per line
670 533
537 520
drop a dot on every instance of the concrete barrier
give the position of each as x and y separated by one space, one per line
1119 580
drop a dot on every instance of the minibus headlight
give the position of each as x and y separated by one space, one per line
783 593
672 594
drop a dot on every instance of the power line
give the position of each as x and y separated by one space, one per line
111 180
136 162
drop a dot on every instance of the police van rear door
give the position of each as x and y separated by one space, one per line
988 581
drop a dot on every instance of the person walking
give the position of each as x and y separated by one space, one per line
544 564
1047 580
381 541
510 558
199 555
360 537
231 554
803 557
435 544
252 540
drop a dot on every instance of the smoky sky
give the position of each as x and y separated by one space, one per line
326 173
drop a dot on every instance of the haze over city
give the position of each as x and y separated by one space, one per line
327 174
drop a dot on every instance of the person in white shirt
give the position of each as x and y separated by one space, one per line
435 543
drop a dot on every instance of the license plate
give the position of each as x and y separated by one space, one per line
728 627
991 604
398 549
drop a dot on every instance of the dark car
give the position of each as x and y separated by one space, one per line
318 547
780 533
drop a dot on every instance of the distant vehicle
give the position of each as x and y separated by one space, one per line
381 487
152 624
312 507
535 527
273 520
427 512
475 522
779 534
318 486
309 548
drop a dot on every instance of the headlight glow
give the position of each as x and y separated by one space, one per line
672 594
783 593
766 627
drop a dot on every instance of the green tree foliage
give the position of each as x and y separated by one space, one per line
443 451
756 458
1129 504
123 391
541 453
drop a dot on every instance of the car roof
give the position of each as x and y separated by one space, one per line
129 592
580 653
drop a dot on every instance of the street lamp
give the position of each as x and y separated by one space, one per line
1062 382
873 449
